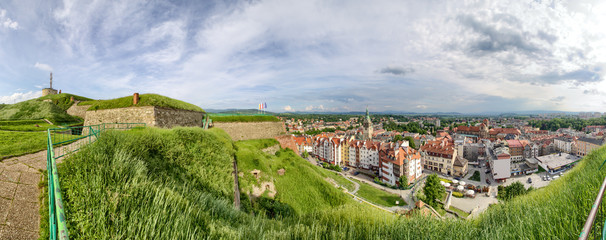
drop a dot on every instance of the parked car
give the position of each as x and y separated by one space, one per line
529 180
548 178
458 178
345 169
487 181
356 173
544 178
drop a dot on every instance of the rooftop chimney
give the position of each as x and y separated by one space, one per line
135 98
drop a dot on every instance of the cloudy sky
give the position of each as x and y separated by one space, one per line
420 56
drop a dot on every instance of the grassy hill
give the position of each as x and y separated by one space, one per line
177 184
144 100
307 196
38 109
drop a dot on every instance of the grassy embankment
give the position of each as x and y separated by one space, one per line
176 184
36 109
378 196
144 100
25 125
302 187
244 118
19 143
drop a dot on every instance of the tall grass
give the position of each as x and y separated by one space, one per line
163 184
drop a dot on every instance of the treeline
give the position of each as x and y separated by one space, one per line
412 127
575 123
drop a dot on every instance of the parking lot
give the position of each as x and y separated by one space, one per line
537 180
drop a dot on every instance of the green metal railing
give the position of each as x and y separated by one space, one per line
60 143
596 211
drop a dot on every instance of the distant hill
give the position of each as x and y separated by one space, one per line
53 110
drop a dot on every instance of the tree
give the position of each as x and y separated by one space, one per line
403 181
511 191
305 154
411 142
433 190
398 138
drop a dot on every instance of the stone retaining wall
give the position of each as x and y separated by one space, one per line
79 111
151 116
251 130
168 118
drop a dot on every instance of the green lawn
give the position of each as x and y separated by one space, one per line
144 100
19 143
303 186
341 180
378 196
241 118
25 125
459 211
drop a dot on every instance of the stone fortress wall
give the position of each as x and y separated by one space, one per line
251 130
150 115
79 111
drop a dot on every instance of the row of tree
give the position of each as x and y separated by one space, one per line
575 123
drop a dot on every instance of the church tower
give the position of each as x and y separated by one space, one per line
367 124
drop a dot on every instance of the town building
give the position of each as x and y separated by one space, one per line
439 156
397 161
585 145
564 144
555 163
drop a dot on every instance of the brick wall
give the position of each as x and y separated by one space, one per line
287 141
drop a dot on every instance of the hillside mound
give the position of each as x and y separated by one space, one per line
52 107
144 100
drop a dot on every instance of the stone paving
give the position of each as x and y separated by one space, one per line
19 196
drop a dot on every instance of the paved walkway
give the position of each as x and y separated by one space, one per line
19 196
19 192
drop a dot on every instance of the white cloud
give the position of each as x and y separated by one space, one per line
288 109
421 106
44 67
19 97
7 22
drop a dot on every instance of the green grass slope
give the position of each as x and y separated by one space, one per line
38 109
302 186
177 184
19 143
144 100
243 118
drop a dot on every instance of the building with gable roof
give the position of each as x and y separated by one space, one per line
439 156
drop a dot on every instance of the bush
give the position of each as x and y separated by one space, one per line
457 194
